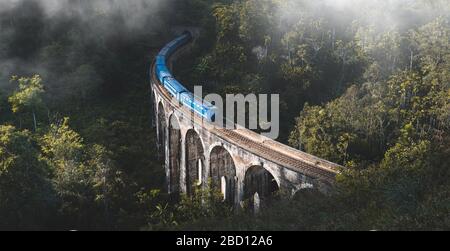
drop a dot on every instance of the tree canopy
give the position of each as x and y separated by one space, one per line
365 85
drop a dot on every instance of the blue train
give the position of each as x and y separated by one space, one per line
175 88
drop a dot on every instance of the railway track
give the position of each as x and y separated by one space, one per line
239 138
251 142
276 155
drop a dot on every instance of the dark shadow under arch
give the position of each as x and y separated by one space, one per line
223 173
259 180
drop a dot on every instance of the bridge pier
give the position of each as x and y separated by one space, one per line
239 162
174 138
183 175
240 172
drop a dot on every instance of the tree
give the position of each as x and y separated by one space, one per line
107 181
26 194
63 148
4 107
86 178
29 96
433 43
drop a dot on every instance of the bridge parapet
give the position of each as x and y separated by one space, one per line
240 162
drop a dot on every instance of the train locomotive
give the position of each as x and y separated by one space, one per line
175 88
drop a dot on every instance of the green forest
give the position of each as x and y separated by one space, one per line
365 84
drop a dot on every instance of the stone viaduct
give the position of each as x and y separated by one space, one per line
243 164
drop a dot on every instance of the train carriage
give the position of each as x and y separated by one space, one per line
175 88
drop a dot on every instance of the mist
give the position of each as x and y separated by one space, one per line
38 35
30 28
381 14
361 83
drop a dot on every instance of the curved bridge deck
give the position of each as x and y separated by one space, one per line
244 164
259 145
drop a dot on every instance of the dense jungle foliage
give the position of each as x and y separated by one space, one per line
364 84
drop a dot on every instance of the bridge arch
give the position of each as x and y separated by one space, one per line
195 161
223 173
259 185
162 125
174 155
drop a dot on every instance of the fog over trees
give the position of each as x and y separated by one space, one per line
362 83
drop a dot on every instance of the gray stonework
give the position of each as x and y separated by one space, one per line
185 142
239 161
